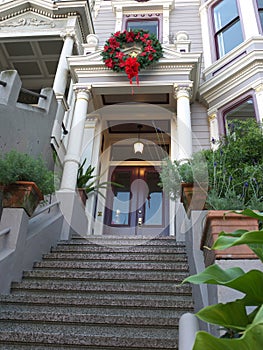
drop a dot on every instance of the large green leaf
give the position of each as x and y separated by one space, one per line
252 338
250 283
250 213
254 239
230 315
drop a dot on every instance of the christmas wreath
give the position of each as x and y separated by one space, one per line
147 51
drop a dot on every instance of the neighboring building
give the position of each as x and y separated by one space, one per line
210 72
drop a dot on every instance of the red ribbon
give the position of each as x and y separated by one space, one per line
132 69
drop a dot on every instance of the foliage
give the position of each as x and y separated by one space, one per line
16 166
192 170
235 169
244 330
90 182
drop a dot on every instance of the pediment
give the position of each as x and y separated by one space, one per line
27 21
169 53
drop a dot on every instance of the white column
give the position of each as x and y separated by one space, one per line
249 18
60 81
214 131
259 98
206 34
59 87
184 128
72 158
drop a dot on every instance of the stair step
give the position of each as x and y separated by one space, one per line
65 253
123 276
120 287
156 302
91 265
83 336
86 246
92 317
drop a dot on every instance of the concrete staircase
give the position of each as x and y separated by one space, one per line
99 293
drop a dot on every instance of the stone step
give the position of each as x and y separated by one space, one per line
128 241
68 254
103 287
81 336
91 317
123 276
86 246
106 265
156 302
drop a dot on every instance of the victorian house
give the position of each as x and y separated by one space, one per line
209 71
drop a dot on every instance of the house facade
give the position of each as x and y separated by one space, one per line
210 73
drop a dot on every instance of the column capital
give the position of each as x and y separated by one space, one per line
258 88
68 33
83 92
182 90
212 117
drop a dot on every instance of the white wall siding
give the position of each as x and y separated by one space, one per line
200 127
104 23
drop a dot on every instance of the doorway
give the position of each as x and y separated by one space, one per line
139 206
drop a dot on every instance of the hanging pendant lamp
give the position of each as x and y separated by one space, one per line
138 145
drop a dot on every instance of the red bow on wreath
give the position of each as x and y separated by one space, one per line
132 69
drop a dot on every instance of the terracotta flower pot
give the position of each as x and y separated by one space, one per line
193 196
22 194
216 222
83 195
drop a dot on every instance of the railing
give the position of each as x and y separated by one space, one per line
47 207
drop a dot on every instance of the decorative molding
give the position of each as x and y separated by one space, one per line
258 88
31 21
183 90
212 117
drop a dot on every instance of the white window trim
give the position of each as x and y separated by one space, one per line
164 7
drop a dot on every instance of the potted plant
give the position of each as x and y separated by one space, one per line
235 182
24 181
186 179
243 326
88 183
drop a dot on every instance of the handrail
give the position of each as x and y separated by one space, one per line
3 83
5 231
33 93
188 327
44 209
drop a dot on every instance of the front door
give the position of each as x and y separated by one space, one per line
139 207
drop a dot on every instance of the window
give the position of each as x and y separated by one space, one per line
242 111
228 32
149 21
147 24
260 11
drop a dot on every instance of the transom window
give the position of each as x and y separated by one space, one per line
228 32
147 24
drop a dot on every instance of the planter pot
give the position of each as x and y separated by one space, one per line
216 222
193 196
83 195
22 194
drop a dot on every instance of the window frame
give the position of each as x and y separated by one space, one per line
230 106
258 10
145 17
228 25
